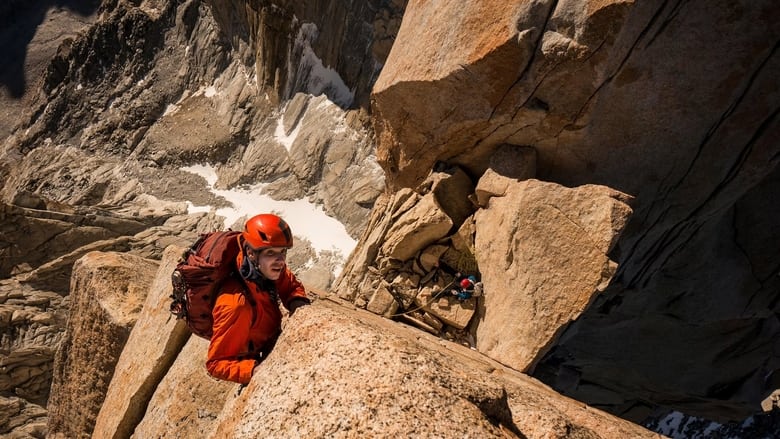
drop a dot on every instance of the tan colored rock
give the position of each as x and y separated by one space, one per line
596 89
398 243
432 84
108 291
419 227
382 302
417 320
771 402
429 257
359 375
406 285
156 339
452 188
493 55
510 161
187 400
448 308
431 320
491 184
461 255
355 279
22 419
543 258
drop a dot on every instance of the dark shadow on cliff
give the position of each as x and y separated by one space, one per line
19 20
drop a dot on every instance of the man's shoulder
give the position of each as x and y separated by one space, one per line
232 286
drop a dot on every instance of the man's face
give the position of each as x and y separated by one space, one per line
271 261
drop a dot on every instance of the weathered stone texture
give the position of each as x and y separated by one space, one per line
187 401
108 290
673 104
542 250
21 419
360 375
151 348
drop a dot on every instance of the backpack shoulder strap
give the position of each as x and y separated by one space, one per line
248 294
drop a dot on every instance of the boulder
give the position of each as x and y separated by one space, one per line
151 348
340 372
452 188
449 309
108 291
491 184
417 228
543 254
355 281
187 401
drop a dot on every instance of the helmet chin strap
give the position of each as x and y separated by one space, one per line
249 271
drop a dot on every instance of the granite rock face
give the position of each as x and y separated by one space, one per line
336 372
543 252
109 290
635 142
674 105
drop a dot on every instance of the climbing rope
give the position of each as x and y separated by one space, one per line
434 297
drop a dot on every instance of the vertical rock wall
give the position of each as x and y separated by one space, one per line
674 104
108 294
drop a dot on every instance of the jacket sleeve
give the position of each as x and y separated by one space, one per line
289 287
232 320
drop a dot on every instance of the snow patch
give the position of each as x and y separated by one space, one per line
282 137
306 219
208 92
312 76
170 109
672 426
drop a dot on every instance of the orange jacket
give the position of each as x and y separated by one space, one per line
237 339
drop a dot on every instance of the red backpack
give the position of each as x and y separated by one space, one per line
198 277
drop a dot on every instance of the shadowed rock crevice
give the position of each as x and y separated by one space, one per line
498 412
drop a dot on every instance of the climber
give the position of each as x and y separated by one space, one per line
466 287
245 332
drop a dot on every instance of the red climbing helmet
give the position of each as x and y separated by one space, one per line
267 230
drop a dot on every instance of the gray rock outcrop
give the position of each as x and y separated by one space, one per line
21 418
181 88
